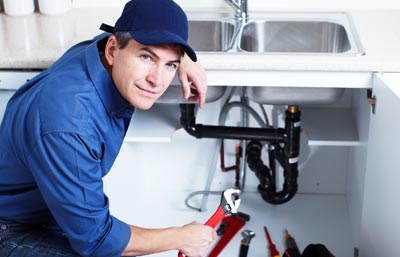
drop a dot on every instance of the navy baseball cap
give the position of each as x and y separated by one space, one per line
154 22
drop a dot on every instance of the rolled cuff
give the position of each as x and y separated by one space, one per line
116 241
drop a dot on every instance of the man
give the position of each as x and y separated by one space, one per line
63 129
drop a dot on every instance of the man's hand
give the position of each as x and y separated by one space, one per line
196 239
193 80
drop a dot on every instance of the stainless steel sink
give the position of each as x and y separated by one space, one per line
301 33
210 35
325 34
174 95
294 95
294 37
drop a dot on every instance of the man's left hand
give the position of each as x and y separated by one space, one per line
193 80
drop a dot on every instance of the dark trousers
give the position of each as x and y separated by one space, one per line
21 240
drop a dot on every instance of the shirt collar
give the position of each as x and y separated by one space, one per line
109 95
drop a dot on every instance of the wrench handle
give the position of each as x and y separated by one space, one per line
244 249
215 219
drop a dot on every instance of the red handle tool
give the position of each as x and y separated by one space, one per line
272 248
216 218
229 203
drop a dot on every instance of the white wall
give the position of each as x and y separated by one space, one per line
260 4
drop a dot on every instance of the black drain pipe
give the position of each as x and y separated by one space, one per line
287 156
188 121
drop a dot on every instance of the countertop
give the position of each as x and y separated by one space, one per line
36 41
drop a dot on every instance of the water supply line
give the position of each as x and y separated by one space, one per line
283 144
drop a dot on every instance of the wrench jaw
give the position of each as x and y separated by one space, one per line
230 201
247 236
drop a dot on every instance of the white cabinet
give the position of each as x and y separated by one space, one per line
380 223
351 158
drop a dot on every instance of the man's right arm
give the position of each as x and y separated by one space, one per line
192 240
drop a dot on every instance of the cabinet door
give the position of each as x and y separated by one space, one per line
380 224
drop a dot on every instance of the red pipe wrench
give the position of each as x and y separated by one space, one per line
228 229
230 202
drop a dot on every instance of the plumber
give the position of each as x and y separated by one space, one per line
63 129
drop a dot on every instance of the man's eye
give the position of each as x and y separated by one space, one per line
172 66
145 57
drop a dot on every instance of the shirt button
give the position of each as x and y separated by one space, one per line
3 227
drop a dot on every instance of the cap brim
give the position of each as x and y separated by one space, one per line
163 37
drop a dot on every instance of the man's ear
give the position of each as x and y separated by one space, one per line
110 49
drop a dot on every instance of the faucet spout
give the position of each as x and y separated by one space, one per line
243 4
240 8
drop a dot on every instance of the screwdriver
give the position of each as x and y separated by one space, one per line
291 247
272 248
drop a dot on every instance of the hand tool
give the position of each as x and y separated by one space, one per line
291 247
230 225
230 202
245 243
273 252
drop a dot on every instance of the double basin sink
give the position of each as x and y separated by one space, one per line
327 34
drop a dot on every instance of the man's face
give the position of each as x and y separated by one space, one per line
142 73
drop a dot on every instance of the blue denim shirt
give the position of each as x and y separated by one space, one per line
60 135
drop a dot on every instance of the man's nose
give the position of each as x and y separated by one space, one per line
155 75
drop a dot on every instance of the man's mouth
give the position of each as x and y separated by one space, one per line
147 91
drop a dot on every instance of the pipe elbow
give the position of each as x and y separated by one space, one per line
188 120
192 130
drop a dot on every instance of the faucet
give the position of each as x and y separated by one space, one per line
240 7
241 15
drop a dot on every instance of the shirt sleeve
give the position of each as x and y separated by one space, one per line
68 170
